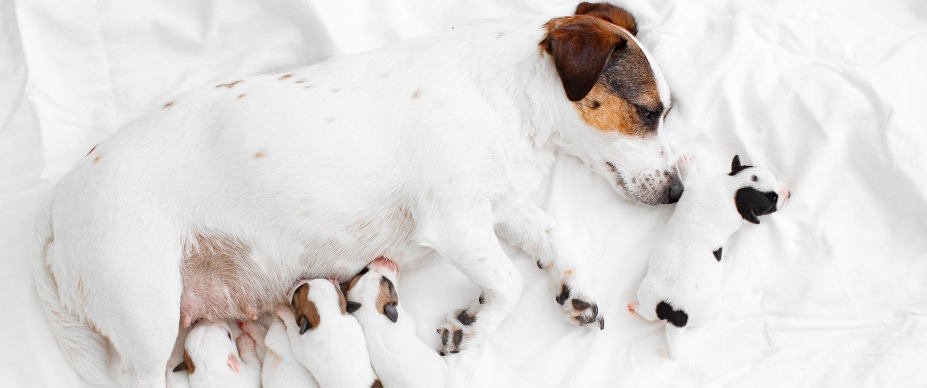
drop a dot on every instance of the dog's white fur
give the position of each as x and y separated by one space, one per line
334 352
399 357
280 368
683 270
434 143
217 361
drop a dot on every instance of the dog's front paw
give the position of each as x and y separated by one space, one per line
687 164
457 333
579 307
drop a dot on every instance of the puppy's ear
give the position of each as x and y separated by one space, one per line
353 306
307 315
304 325
301 290
752 203
610 13
390 311
181 366
736 166
186 365
580 48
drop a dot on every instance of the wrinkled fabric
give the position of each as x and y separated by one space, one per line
831 291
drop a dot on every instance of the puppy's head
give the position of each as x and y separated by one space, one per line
620 100
373 290
209 350
758 191
315 301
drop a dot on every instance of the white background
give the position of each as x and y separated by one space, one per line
830 291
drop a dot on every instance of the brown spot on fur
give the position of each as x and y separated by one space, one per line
611 114
285 76
240 96
229 85
259 154
376 384
342 302
168 105
91 151
299 81
568 272
609 13
417 93
581 47
303 307
96 160
189 361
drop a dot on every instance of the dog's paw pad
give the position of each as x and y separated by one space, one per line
456 334
686 163
579 308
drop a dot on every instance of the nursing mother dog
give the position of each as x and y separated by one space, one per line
213 204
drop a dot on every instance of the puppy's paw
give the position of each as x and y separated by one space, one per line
687 164
579 307
458 333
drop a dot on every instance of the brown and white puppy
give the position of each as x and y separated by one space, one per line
279 367
207 205
212 360
399 357
324 338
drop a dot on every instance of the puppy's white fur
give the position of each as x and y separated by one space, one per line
280 368
334 351
399 357
216 362
683 271
392 152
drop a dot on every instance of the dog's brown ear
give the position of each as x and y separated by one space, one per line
307 315
186 365
581 48
388 299
610 13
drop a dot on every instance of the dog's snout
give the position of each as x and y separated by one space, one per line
675 191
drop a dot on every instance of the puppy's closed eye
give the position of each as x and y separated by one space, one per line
353 306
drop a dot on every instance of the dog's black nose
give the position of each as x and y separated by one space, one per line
675 191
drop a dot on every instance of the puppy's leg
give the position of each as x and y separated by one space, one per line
535 233
256 331
674 338
467 239
247 350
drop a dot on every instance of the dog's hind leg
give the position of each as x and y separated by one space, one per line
467 239
535 233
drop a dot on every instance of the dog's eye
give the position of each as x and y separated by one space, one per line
754 178
648 117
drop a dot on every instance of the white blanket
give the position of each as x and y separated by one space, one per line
830 94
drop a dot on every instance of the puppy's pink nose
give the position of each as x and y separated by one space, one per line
386 264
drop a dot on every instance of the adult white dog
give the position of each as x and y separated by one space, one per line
214 204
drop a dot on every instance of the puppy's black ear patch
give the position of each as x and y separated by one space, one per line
390 311
717 254
677 318
736 166
752 203
353 306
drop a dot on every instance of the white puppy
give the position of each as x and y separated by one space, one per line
398 356
279 366
212 360
324 337
682 286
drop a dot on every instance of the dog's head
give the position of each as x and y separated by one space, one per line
209 350
316 301
373 290
758 192
620 100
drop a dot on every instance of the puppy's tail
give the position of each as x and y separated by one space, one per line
84 348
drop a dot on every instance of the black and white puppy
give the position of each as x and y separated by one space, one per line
398 356
324 337
682 286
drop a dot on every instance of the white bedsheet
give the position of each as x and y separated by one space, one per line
832 95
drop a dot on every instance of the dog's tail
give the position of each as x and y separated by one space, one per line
84 348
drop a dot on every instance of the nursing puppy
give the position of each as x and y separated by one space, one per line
324 338
682 286
280 368
212 360
399 357
212 203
